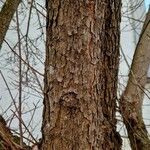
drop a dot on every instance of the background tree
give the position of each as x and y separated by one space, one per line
28 44
6 15
132 98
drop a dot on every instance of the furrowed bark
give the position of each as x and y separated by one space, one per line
6 15
81 69
132 98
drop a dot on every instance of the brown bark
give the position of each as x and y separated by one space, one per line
6 14
81 72
6 137
132 98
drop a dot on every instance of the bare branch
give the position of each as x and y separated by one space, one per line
6 14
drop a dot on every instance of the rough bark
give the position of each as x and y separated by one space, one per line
132 98
6 14
6 137
81 69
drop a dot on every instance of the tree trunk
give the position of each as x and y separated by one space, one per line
6 14
7 141
132 98
81 70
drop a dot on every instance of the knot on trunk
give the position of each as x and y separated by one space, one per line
69 100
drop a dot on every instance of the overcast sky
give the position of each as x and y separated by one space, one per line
147 2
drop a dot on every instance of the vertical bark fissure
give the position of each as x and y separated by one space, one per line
81 75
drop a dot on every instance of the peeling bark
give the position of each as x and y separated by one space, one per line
132 98
81 70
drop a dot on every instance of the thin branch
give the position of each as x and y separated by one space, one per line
33 70
20 81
